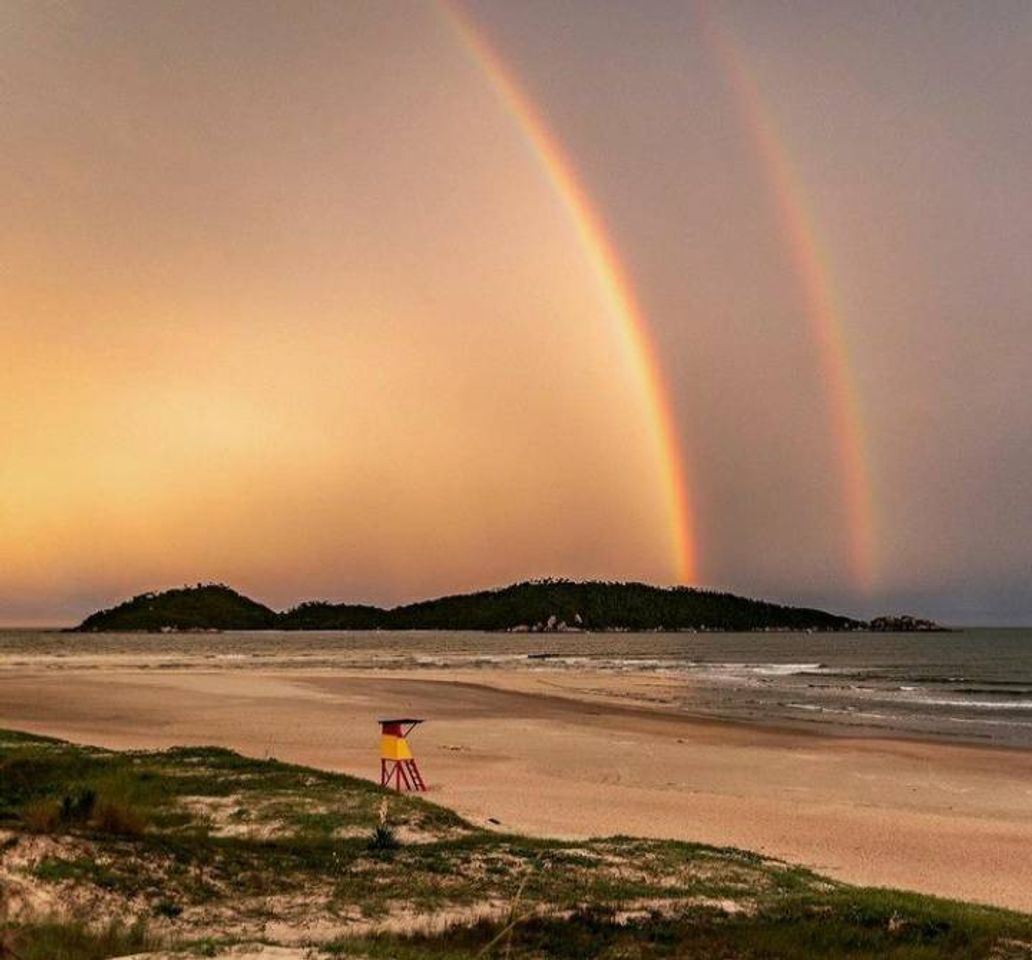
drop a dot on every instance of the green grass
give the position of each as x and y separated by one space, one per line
195 833
864 926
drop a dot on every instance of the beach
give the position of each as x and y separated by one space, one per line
581 754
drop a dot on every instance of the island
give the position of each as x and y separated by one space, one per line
538 606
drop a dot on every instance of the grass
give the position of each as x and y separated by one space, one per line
58 939
866 927
383 839
209 847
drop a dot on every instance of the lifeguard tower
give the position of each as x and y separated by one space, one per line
397 765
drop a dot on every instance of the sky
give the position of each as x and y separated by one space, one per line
376 301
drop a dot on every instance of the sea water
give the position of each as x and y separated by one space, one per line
967 685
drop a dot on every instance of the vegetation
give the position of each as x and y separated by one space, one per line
320 615
229 850
62 939
608 606
203 607
538 605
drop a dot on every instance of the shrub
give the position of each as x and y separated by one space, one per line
167 908
383 839
41 816
78 807
119 817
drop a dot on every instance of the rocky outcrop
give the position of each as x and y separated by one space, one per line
552 625
905 624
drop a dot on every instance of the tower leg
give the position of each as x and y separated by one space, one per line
401 773
415 776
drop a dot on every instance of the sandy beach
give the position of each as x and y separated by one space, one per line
587 755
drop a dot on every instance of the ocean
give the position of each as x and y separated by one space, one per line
970 685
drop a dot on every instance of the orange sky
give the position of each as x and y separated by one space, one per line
367 357
289 300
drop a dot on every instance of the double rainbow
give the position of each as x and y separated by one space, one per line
823 311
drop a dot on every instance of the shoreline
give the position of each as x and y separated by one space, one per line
571 756
616 697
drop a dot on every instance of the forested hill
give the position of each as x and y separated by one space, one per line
209 606
545 605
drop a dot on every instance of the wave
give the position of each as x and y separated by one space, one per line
761 669
844 711
975 704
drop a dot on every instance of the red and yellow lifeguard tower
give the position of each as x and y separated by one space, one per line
397 765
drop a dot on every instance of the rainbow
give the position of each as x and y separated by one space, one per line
819 295
611 276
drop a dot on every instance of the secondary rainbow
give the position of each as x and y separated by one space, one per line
612 278
821 301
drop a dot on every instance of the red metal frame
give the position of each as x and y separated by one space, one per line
401 772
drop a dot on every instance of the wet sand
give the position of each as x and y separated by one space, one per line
588 755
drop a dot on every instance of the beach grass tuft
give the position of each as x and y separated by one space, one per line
62 939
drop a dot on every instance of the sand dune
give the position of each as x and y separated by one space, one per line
587 755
